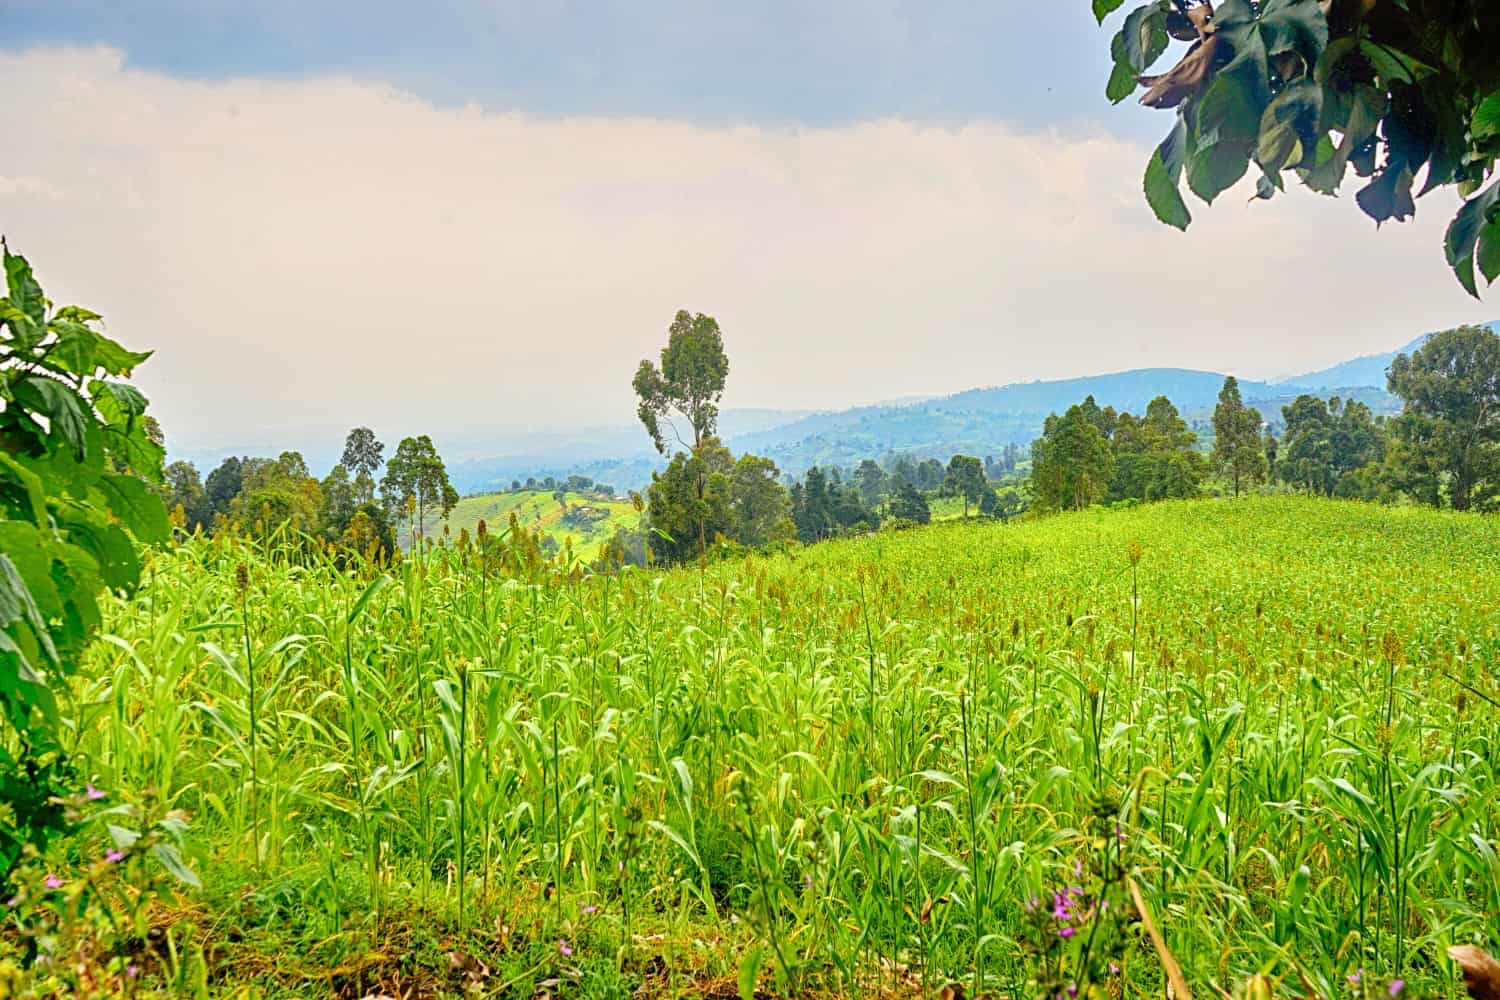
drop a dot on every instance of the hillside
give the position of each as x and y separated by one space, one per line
1198 693
588 523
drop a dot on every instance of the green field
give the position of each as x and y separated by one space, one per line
884 765
538 510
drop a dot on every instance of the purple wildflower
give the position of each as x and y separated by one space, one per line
1078 867
132 970
562 946
1397 985
114 856
53 882
1067 932
1114 970
92 794
591 909
1356 976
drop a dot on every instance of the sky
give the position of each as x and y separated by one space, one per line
475 221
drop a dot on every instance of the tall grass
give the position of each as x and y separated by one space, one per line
849 765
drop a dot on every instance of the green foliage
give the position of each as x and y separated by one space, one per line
690 503
883 746
1315 87
416 481
688 383
1237 439
363 453
1071 463
910 505
1154 456
1447 438
965 477
760 505
78 468
1328 446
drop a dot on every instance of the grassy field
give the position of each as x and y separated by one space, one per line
538 510
951 755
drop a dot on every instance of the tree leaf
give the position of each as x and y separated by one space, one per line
141 510
1486 121
1144 35
1216 168
1488 254
26 295
1104 8
1163 195
83 351
64 409
1463 234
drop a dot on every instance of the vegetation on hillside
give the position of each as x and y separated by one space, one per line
891 763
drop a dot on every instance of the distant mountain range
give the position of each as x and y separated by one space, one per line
976 421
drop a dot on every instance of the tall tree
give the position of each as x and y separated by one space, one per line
689 382
362 453
910 505
1071 463
870 479
1396 89
1449 427
690 503
966 479
222 486
417 477
1237 447
762 511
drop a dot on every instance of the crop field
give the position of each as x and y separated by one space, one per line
592 521
992 759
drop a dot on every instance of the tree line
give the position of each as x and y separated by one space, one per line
1442 450
345 508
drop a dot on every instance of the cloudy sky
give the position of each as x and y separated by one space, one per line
476 216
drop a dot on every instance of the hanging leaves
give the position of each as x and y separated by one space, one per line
1398 91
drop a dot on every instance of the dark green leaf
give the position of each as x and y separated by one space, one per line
1388 196
18 608
1488 254
1144 35
1216 168
64 409
1463 234
30 488
1163 196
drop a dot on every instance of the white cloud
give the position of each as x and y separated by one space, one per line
309 255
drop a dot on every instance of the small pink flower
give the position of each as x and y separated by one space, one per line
562 946
131 971
1355 976
1114 970
1078 868
1067 932
114 856
1397 985
92 794
591 909
53 882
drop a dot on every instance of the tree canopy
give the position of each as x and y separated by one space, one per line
1390 88
689 382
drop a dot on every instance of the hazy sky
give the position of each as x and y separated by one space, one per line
485 215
